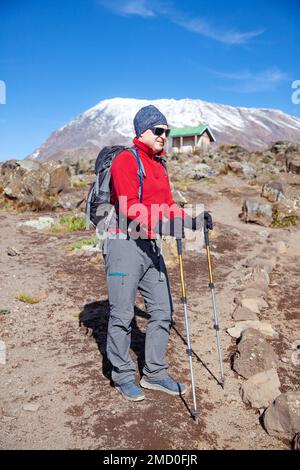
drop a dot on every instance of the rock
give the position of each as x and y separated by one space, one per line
285 213
243 313
201 170
9 165
60 177
251 301
293 166
259 278
284 360
91 248
71 200
261 389
33 407
5 311
263 327
253 354
283 416
30 165
250 293
257 211
253 304
242 169
296 353
9 192
2 353
235 232
280 247
272 191
84 165
34 183
265 264
11 251
41 223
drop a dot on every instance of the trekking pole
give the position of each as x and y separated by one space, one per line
189 350
213 298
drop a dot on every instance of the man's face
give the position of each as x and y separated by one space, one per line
156 143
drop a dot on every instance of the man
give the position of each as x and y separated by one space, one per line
135 262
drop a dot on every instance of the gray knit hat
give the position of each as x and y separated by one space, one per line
147 117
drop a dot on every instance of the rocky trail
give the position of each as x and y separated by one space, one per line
55 391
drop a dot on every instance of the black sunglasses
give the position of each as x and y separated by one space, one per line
158 131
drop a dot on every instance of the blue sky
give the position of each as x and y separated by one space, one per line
60 57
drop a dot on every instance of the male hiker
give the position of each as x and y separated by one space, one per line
133 260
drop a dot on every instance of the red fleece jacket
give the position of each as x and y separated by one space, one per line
156 188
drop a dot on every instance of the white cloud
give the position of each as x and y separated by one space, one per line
202 27
166 8
130 7
249 82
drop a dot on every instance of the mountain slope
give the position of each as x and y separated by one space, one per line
110 122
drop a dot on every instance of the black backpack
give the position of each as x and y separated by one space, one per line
99 210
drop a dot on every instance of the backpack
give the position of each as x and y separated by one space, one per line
99 210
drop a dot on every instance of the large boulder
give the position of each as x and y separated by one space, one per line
243 169
71 200
34 183
253 354
59 177
257 211
84 166
282 418
261 389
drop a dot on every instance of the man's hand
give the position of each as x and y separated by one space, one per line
175 227
172 227
198 222
208 220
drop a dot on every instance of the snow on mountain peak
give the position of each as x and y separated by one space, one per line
111 122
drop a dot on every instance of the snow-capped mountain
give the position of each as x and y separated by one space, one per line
111 122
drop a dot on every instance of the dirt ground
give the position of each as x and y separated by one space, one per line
61 368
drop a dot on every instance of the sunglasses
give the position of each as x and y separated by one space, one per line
158 131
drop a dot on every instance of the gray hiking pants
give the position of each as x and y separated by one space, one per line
131 265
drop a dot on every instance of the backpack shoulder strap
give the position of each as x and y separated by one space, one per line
135 152
163 161
141 170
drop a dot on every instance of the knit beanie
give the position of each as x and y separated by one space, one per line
147 117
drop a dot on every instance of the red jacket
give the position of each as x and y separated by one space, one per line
156 188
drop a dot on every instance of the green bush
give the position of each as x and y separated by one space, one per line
81 243
79 184
283 222
69 223
29 299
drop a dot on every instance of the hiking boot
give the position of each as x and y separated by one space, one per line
167 385
131 391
